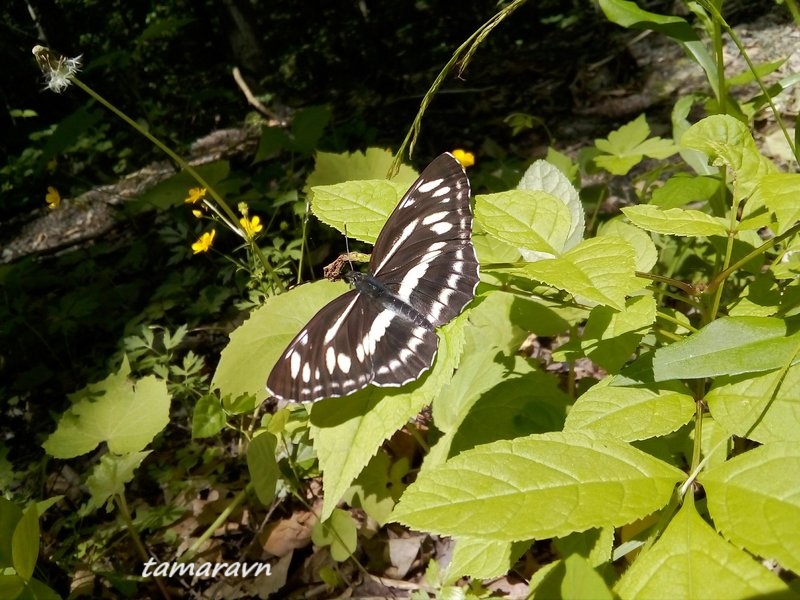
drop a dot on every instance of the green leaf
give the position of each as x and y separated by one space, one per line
754 500
379 486
362 206
545 177
728 346
539 486
600 270
25 543
594 545
208 418
611 336
307 127
174 190
256 345
628 14
690 560
628 145
126 415
11 586
675 221
348 431
641 241
482 558
10 514
779 193
330 168
263 467
535 221
110 476
761 407
729 142
680 190
339 532
631 413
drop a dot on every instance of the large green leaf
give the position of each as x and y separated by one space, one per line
728 141
25 543
598 270
754 500
779 193
361 206
255 346
538 486
675 221
527 220
764 407
482 558
641 241
108 478
628 145
691 561
263 467
728 346
125 414
631 413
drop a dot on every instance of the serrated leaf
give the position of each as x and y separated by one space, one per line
631 413
539 486
109 477
482 558
690 560
256 345
125 414
728 346
779 193
379 486
361 206
330 168
727 141
600 270
348 431
642 243
611 336
546 177
534 221
25 543
628 145
263 467
339 532
675 221
763 407
754 500
594 545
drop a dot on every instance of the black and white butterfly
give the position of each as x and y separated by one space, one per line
422 273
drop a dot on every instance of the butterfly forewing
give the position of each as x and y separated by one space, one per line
423 258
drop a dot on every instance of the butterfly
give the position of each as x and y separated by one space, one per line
423 271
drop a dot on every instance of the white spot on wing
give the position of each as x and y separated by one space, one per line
396 244
307 372
441 191
411 280
334 329
294 364
344 362
429 185
330 359
434 218
442 227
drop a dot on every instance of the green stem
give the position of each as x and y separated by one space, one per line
124 512
221 518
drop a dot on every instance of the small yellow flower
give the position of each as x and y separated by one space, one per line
251 226
203 244
197 213
195 195
53 198
467 159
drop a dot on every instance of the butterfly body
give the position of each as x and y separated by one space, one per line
422 273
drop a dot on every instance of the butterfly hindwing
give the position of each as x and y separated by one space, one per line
423 272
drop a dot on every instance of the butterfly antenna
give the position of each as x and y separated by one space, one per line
347 248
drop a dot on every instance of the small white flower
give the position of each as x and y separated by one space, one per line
58 70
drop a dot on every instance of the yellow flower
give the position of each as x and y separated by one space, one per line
203 244
251 226
467 159
197 213
195 195
53 198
